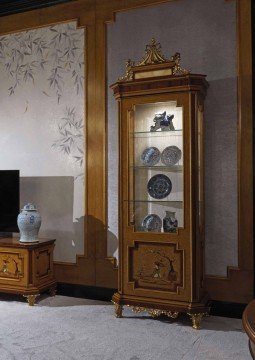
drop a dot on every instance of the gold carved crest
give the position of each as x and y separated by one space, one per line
153 58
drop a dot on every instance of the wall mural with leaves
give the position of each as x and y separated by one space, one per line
42 119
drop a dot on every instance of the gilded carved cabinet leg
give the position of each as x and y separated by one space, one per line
118 310
196 320
31 299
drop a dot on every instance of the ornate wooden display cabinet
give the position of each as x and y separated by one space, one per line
161 264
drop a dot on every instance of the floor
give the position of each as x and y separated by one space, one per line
65 328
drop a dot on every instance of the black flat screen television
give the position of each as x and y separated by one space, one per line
9 200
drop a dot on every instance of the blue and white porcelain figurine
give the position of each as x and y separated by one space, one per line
170 223
29 222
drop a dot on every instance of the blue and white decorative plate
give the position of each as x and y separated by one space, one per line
150 156
159 186
152 222
171 155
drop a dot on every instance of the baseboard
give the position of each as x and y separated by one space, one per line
227 309
83 291
218 308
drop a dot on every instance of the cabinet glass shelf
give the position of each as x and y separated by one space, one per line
177 132
175 168
156 201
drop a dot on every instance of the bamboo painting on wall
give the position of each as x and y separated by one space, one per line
42 111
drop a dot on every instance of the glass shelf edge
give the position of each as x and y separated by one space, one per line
155 201
178 168
156 132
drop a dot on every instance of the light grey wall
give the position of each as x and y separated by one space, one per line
204 32
54 198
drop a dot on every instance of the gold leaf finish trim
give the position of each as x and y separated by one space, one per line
178 70
154 312
153 55
31 299
129 73
118 309
196 320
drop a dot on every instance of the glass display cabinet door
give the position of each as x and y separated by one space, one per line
156 167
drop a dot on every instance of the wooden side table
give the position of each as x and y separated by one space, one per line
27 268
249 325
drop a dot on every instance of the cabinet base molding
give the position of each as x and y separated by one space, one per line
196 311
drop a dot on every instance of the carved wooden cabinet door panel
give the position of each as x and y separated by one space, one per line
43 264
13 266
154 266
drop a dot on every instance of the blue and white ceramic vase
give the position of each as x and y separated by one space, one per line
170 223
29 222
